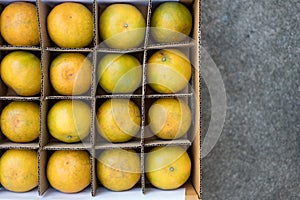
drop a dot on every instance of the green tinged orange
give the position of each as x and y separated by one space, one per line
21 71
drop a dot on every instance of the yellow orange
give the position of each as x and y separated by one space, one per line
69 121
19 24
20 121
21 71
171 22
119 73
70 25
122 26
71 74
168 167
69 170
168 71
118 120
19 170
169 118
118 169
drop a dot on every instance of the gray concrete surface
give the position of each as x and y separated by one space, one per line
256 46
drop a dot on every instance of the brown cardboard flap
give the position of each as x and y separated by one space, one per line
190 192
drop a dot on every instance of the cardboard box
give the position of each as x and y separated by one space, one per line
47 50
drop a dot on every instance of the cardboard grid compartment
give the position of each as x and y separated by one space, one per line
143 96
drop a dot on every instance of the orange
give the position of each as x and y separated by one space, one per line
168 167
69 120
71 74
122 26
19 24
169 118
19 170
70 25
118 169
118 120
119 73
68 171
171 22
168 71
20 121
21 71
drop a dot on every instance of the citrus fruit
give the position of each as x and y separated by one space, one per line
169 118
69 120
21 71
19 170
20 121
118 120
68 171
171 22
167 167
119 73
122 26
70 25
168 71
118 169
71 73
19 24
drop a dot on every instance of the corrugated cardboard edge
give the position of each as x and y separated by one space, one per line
196 147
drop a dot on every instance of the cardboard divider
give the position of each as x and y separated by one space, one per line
196 61
143 170
143 96
43 183
46 87
143 109
93 125
2 105
94 83
93 172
